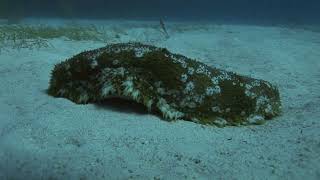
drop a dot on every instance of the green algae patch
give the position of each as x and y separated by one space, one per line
23 36
172 85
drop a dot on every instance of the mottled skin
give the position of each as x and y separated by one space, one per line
172 84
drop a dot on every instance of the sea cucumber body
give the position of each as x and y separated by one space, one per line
174 85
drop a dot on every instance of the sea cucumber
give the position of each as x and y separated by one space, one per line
175 86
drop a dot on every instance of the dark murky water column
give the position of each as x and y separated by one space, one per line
296 11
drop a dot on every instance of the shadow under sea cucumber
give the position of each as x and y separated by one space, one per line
173 85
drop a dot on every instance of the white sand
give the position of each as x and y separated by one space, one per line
42 137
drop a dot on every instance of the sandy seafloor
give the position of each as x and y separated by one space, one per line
42 137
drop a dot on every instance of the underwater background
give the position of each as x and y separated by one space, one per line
246 11
47 137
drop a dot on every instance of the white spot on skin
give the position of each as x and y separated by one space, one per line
196 120
189 87
248 87
139 52
199 99
253 119
213 90
225 76
61 92
83 98
179 60
184 65
106 72
255 83
268 109
67 67
269 85
201 69
115 62
191 105
107 89
167 111
184 78
128 84
149 104
161 91
120 71
135 94
261 102
221 122
129 89
215 80
250 94
215 109
209 91
93 64
187 102
190 71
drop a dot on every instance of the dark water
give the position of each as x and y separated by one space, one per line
265 11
